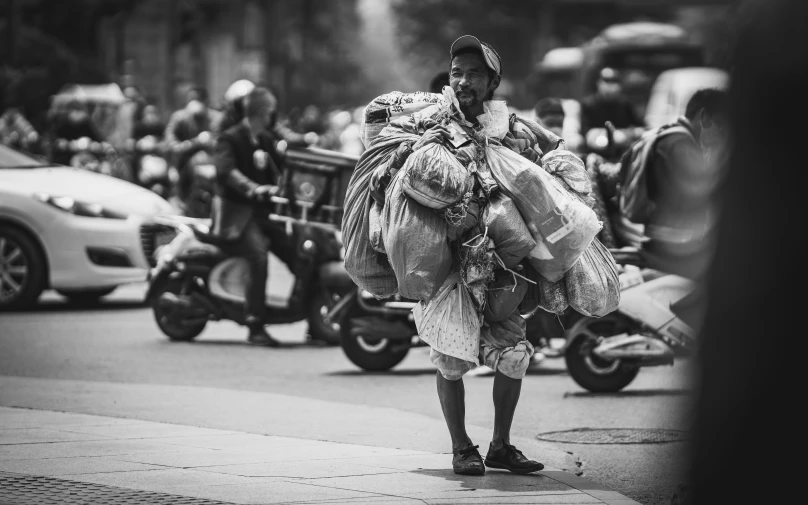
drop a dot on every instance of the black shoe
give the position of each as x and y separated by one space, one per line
468 461
510 458
259 336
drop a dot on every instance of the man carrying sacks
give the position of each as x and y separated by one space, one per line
449 206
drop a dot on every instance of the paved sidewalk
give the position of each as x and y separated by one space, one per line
57 457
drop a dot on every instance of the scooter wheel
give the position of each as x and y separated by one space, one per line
589 371
370 353
176 329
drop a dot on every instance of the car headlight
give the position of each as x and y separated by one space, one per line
84 209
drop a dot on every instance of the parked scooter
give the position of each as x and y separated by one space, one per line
195 281
653 324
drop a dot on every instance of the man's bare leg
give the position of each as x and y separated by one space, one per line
506 396
452 395
501 453
466 459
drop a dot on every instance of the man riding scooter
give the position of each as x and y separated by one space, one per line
247 161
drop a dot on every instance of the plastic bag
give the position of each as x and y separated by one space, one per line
368 268
434 178
450 323
593 285
562 226
553 296
416 244
375 227
504 295
508 230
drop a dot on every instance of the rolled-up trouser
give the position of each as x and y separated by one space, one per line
253 245
512 361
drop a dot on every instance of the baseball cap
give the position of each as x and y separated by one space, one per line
491 57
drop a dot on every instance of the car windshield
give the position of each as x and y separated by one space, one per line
9 158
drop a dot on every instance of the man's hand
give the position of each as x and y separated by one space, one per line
264 193
435 135
311 138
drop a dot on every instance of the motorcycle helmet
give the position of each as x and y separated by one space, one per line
238 90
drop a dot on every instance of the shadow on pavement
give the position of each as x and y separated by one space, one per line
66 306
244 343
496 480
628 394
394 372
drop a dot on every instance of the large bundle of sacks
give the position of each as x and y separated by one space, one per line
458 227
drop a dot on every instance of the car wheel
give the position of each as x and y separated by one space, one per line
23 269
85 296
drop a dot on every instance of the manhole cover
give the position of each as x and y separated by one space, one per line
614 436
33 490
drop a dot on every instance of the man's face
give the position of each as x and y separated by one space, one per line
263 117
714 137
469 79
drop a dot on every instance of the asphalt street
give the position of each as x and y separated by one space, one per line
117 341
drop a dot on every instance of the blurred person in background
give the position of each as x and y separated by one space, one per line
233 114
682 175
149 123
550 114
608 103
15 129
748 416
350 141
189 131
71 124
311 120
438 82
247 166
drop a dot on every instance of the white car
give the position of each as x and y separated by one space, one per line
80 233
674 88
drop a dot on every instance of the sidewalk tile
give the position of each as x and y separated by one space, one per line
68 466
163 480
446 484
11 418
151 430
195 457
545 499
275 492
247 441
42 435
77 449
302 469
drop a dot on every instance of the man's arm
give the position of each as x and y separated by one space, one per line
228 173
170 134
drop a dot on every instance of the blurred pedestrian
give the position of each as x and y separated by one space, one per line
149 123
72 124
550 114
608 103
748 417
188 132
681 178
234 99
15 129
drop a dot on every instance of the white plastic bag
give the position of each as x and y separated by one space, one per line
434 178
449 323
562 225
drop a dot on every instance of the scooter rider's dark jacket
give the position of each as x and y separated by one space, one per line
240 170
